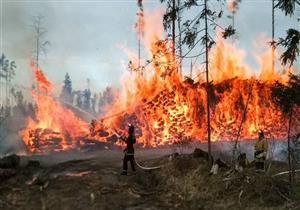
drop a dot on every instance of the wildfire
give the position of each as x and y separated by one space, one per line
54 128
165 108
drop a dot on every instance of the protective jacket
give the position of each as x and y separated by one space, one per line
261 149
130 141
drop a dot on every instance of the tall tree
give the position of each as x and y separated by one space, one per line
179 35
273 43
93 103
66 93
87 100
106 97
7 72
41 44
233 7
79 96
194 34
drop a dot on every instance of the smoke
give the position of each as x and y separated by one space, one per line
277 150
10 142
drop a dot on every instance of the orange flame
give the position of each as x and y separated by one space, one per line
166 109
55 127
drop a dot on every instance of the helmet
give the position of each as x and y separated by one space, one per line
130 128
261 134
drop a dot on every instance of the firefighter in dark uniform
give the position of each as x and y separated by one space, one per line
261 150
129 150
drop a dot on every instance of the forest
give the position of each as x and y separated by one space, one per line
201 125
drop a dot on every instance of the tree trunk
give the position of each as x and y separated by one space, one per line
6 88
173 34
235 149
273 36
207 86
289 147
179 37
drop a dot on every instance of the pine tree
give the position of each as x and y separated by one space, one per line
40 32
87 99
66 93
292 40
79 102
93 102
7 72
106 97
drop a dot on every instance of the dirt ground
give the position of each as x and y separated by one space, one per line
77 180
94 182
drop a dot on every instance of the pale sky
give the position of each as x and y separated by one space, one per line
85 36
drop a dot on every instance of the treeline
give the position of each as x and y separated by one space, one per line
11 97
93 103
14 104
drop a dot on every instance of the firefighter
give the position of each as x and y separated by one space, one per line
93 127
261 150
129 150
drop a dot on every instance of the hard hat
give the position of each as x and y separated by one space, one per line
130 127
261 133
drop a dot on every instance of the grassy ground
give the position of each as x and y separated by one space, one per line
182 183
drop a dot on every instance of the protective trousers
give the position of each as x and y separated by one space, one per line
126 159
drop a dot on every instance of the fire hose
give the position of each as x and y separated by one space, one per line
147 168
136 162
119 136
285 172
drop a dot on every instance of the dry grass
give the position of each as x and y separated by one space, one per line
184 183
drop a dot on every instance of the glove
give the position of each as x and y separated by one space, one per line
262 154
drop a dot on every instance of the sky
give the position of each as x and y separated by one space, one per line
86 36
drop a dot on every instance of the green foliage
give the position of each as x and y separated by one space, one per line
192 28
66 93
67 84
228 32
169 16
7 70
291 42
190 38
287 6
287 96
87 99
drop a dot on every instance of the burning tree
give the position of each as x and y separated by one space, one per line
40 32
166 109
55 128
193 31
